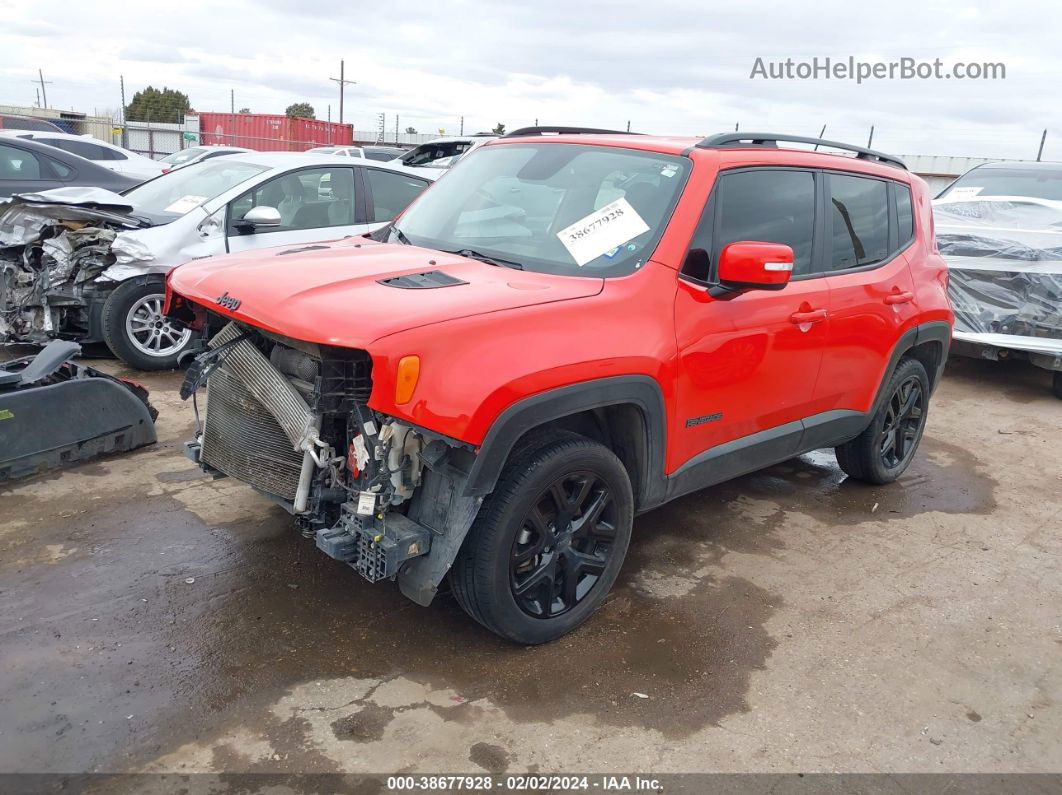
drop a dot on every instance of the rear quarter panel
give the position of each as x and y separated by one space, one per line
928 268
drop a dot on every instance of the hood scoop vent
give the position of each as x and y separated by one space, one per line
422 281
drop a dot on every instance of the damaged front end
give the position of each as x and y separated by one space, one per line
54 251
292 420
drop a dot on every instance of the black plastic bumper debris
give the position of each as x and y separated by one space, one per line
55 412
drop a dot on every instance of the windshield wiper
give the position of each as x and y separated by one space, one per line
401 236
501 263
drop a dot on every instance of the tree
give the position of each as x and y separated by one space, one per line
499 129
300 110
168 105
244 110
411 130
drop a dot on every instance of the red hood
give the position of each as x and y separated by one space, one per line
332 295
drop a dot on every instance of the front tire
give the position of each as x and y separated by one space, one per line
549 541
1056 384
135 329
882 452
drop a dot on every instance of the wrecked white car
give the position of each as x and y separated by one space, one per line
999 227
89 265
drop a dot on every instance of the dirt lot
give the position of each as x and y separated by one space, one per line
154 620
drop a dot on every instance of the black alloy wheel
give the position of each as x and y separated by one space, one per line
885 448
563 546
904 415
548 542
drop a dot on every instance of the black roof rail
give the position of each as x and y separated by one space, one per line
736 139
564 131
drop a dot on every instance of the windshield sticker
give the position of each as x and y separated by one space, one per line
185 203
601 231
669 171
965 192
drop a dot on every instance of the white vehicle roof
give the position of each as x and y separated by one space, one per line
460 139
285 161
69 137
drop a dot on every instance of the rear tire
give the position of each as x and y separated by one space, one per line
135 330
1056 384
882 452
549 541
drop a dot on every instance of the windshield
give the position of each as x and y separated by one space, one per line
185 189
984 182
183 156
554 208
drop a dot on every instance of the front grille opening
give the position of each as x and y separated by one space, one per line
263 396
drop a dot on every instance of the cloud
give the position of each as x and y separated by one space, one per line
152 54
676 66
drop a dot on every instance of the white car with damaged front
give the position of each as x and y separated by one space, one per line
88 264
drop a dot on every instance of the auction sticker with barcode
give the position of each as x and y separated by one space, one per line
601 231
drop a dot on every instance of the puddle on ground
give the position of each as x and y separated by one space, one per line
943 477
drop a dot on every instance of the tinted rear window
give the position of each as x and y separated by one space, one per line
904 213
860 218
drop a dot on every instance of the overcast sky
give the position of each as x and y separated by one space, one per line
667 67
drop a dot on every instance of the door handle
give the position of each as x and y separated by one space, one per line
899 298
812 316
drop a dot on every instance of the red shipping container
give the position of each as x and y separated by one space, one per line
271 133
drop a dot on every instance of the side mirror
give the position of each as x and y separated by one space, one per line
261 216
751 265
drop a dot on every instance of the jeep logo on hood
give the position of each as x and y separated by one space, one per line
228 301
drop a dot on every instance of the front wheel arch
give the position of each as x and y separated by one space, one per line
638 393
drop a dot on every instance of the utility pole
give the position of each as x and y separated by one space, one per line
1042 139
870 140
735 126
628 125
43 92
396 129
342 85
125 135
462 126
232 101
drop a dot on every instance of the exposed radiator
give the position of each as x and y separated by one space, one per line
242 439
256 421
267 384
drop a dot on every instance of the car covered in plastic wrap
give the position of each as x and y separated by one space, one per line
999 228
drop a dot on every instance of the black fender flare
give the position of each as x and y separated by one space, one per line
934 331
642 391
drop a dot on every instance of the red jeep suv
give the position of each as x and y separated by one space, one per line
573 327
